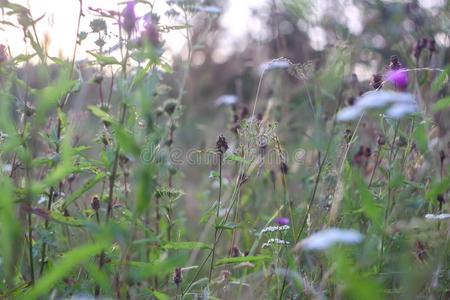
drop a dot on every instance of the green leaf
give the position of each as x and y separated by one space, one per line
62 170
61 219
185 245
62 268
81 191
9 233
50 96
420 135
228 226
127 142
241 259
145 188
441 104
438 189
160 296
440 80
102 115
233 157
103 60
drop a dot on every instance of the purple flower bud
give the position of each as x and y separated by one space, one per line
398 78
282 221
129 17
151 34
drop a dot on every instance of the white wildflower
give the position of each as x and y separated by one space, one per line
42 199
226 100
275 241
397 111
439 217
399 105
349 113
279 63
376 99
209 9
7 168
329 237
275 228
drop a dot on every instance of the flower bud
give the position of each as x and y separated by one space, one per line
377 81
170 106
177 276
95 203
381 141
394 63
129 17
399 79
151 34
431 45
221 144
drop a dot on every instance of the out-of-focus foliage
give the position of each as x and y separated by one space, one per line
302 151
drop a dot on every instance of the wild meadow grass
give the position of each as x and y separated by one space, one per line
329 188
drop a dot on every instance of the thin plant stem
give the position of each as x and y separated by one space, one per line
217 217
389 195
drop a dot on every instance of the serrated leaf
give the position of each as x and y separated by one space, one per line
81 191
127 142
103 60
62 268
102 115
60 218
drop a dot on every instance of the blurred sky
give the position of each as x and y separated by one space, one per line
59 24
60 20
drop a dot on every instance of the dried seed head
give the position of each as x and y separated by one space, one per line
284 168
431 45
98 25
394 63
71 177
226 275
420 45
377 81
95 203
221 144
29 110
348 135
381 141
420 251
442 156
401 141
177 276
351 101
440 199
235 252
98 78
170 106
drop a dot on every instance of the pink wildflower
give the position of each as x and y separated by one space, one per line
398 78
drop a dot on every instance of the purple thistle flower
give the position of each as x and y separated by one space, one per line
129 17
282 221
398 78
